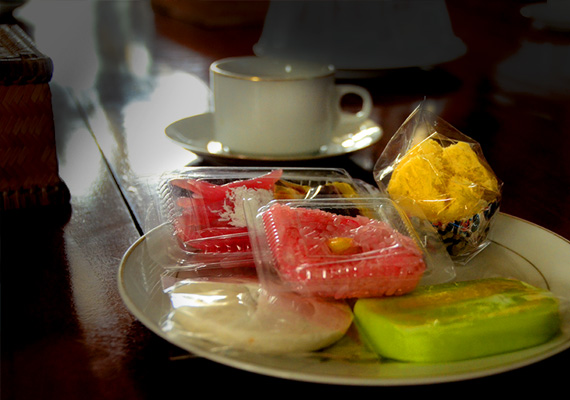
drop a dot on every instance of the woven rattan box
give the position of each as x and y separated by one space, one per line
28 159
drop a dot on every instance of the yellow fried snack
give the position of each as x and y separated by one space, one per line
465 163
447 183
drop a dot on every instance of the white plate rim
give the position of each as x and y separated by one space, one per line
530 356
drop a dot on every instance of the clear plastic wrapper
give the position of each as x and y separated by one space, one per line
232 313
235 314
430 167
343 248
315 258
203 209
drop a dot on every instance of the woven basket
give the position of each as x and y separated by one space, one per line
28 160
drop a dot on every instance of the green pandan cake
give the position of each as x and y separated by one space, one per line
458 321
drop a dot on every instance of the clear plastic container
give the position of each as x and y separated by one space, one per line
343 248
203 208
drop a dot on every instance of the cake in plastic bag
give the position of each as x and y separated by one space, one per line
239 315
430 167
459 320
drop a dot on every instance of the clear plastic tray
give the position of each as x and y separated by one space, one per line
204 208
343 248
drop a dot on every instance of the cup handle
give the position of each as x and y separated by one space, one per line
364 94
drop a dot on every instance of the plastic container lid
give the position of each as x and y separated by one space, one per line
204 208
342 248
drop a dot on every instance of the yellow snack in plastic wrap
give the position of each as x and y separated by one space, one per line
448 183
465 164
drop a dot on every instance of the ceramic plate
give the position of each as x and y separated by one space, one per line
519 249
436 57
377 67
545 15
196 134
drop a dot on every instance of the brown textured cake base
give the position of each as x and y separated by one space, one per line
28 158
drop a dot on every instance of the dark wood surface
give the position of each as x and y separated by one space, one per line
121 74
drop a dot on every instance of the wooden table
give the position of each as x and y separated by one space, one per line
123 73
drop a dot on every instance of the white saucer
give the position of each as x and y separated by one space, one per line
361 38
377 63
196 134
546 16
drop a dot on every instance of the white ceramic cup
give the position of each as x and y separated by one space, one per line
270 107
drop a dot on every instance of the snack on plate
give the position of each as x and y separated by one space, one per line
449 182
458 321
244 316
211 219
205 205
434 171
317 252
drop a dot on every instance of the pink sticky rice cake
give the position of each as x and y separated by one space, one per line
326 254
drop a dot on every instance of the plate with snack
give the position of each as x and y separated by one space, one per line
333 352
332 278
311 275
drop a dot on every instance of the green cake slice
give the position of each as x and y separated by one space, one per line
458 321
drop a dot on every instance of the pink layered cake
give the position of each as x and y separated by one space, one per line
326 254
210 220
